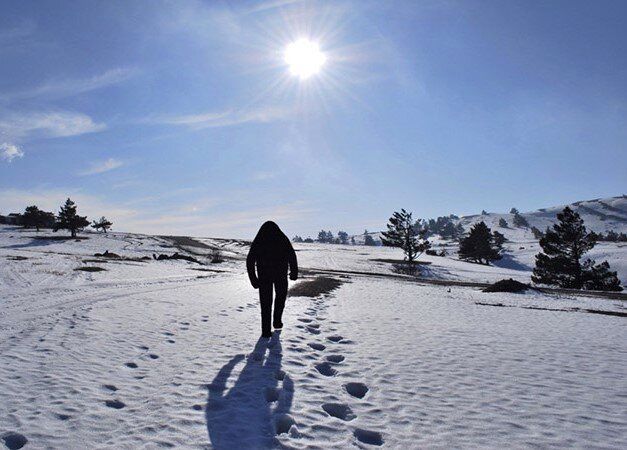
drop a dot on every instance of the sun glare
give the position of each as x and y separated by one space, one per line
304 58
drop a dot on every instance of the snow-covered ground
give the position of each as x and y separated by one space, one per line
151 354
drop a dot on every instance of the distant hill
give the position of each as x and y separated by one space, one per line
599 215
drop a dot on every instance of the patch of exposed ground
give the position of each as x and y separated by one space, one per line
314 288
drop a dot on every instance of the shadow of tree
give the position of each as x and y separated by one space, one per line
255 409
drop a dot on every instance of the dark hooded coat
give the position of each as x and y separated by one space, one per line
271 253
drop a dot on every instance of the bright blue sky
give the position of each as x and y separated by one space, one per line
181 117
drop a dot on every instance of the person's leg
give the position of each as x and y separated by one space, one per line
280 288
265 300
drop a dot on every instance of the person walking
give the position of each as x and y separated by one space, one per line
267 263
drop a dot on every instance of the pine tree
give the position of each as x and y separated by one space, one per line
101 224
560 261
599 277
297 239
68 219
322 236
479 245
458 232
343 237
519 221
513 211
502 223
498 239
404 233
369 241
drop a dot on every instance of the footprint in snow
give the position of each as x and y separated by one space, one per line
317 346
326 369
335 358
153 356
13 440
132 365
304 320
170 341
339 410
356 389
144 347
368 436
115 404
283 423
313 330
110 387
335 338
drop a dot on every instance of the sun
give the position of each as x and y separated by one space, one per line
304 58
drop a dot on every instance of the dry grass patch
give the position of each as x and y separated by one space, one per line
17 258
314 288
91 269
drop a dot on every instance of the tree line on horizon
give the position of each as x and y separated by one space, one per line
67 219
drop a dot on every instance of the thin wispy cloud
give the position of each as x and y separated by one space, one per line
102 166
47 124
70 87
263 176
16 32
226 118
9 152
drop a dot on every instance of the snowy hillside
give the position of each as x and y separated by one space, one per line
150 354
599 215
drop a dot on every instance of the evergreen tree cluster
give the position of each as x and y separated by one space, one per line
369 240
33 217
481 245
560 262
612 236
67 219
502 223
445 227
326 237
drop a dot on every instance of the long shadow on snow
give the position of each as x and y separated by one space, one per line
508 262
244 416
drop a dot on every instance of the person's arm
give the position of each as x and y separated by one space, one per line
251 259
293 262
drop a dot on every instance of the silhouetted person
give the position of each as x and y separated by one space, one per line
270 254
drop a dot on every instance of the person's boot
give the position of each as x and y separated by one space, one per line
277 325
